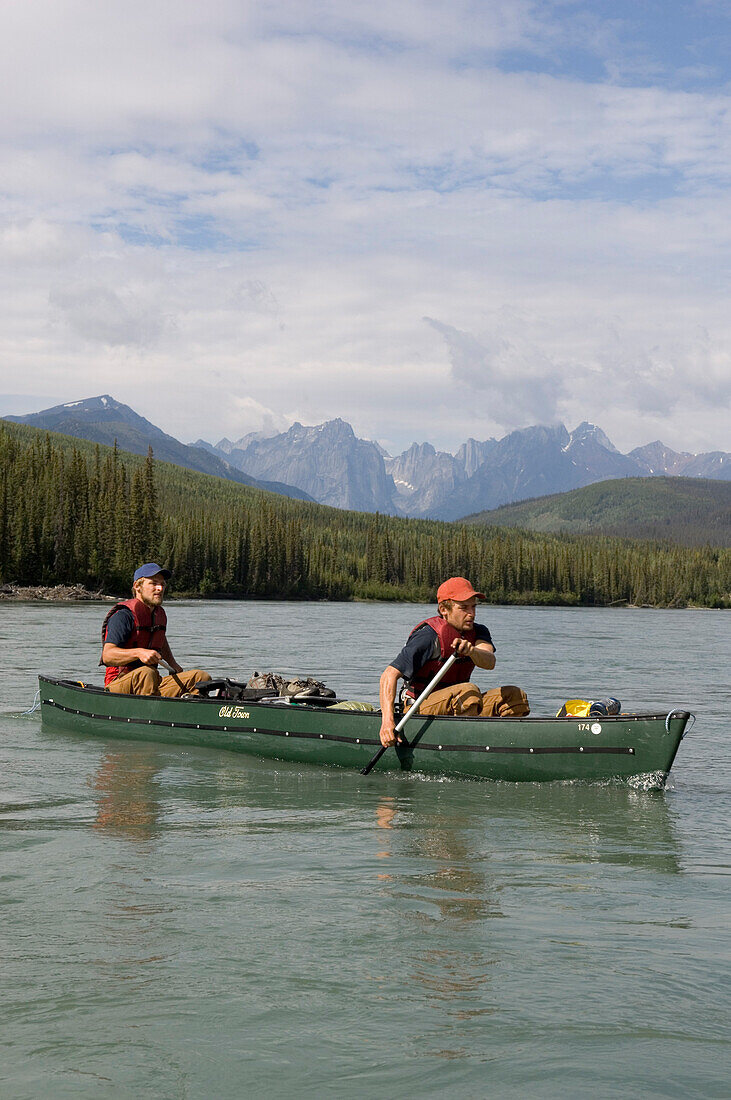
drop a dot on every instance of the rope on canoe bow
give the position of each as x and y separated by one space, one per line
34 708
681 714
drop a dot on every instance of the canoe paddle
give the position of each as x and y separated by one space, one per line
174 675
412 710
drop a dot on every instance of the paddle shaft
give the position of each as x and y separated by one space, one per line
174 675
412 710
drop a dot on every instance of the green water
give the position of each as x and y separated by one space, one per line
187 923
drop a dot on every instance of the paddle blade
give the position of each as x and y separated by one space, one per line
373 761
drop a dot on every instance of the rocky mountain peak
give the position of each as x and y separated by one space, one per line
656 458
336 429
590 433
91 404
340 469
420 450
473 453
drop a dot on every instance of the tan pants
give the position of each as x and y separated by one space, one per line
467 700
147 681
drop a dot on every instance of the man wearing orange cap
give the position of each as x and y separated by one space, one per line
429 645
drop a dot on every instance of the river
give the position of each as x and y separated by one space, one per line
182 923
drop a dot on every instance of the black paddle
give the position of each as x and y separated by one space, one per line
174 675
412 710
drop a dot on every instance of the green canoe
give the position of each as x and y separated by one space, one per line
626 747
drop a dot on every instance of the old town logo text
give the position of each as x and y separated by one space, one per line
233 712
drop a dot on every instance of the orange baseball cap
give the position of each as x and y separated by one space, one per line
457 588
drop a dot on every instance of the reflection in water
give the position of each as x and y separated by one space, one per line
452 891
472 853
128 802
455 886
611 824
456 980
385 814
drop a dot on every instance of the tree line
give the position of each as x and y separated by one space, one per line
72 512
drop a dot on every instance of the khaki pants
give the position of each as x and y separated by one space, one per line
465 700
147 681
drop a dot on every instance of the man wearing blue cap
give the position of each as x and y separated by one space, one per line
134 642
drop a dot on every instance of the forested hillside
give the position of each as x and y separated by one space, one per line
689 511
74 512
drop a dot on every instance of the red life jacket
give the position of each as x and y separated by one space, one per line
458 673
148 633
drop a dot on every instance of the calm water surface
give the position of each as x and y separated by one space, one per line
181 923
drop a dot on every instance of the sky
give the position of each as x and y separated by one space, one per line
436 219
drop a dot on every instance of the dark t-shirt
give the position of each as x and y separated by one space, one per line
423 646
120 627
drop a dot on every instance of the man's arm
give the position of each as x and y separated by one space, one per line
389 683
482 653
118 657
421 646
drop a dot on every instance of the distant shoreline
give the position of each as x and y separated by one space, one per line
67 593
76 593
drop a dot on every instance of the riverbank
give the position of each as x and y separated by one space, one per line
68 593
76 593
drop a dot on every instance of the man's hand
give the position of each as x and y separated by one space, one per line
462 647
387 733
149 657
482 654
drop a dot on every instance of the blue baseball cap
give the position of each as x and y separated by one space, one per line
151 569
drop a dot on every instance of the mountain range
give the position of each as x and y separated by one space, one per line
335 467
340 469
329 464
104 420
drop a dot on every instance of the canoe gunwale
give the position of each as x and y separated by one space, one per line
280 704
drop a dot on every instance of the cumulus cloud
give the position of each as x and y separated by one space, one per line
248 415
608 375
518 384
101 314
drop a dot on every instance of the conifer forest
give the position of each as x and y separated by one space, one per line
75 513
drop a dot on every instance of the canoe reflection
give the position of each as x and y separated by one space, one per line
476 871
454 832
465 859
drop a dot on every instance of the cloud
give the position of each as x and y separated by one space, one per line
606 374
265 201
518 384
248 415
100 314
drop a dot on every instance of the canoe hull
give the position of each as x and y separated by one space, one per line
512 749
